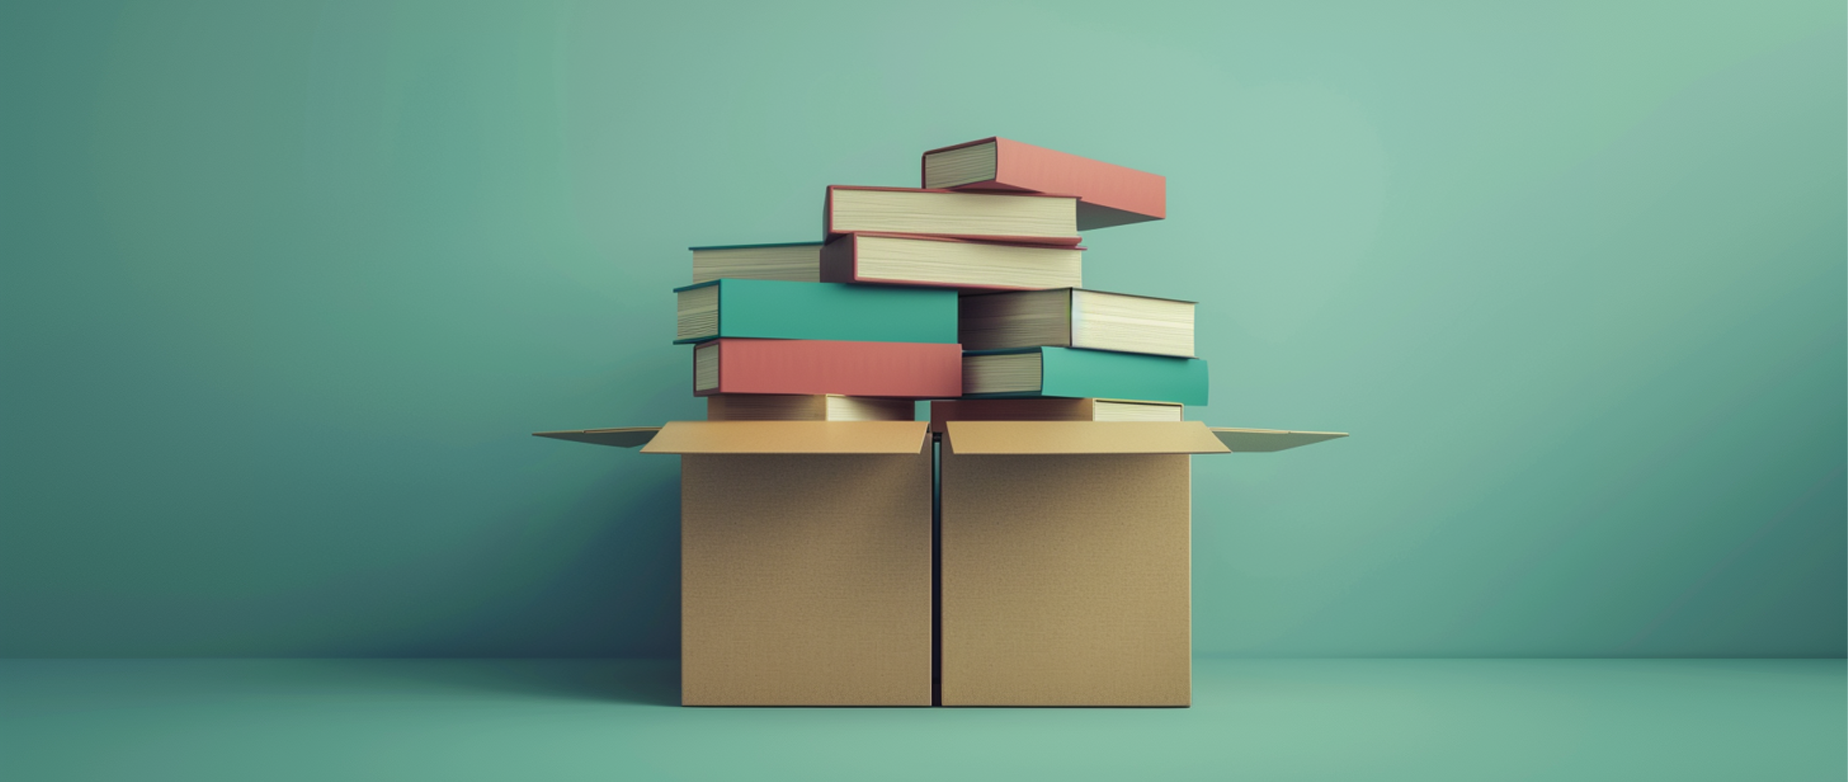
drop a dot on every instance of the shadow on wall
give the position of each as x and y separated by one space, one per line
594 575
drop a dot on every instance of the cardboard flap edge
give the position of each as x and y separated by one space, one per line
791 437
1241 440
968 438
620 436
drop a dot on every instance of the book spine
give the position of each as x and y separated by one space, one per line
839 258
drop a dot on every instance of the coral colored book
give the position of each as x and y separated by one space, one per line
1039 218
1108 194
944 262
915 370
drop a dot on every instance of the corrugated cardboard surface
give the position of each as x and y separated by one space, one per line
806 580
1081 437
1064 580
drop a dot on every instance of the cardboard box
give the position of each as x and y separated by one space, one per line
1065 562
1064 547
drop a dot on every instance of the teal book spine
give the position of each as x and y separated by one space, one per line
833 311
1076 372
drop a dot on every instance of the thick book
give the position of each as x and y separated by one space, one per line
911 259
795 262
807 407
1074 372
1108 194
1050 409
775 309
1077 318
912 370
1023 217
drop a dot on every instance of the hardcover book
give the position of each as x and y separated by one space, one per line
1078 318
909 259
911 370
1073 372
1108 194
1028 217
796 262
775 309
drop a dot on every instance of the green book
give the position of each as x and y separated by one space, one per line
1075 372
779 309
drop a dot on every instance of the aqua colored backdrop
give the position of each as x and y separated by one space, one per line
284 286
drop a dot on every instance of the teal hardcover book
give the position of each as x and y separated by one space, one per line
779 309
1075 372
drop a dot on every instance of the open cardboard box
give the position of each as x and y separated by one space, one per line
1063 575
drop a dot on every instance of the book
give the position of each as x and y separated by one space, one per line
807 407
1074 372
1028 217
1108 194
1050 409
912 370
776 309
795 262
1077 318
910 259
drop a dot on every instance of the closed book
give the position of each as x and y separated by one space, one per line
1050 409
1108 194
774 309
1074 372
915 370
911 259
807 407
1026 217
1077 318
795 262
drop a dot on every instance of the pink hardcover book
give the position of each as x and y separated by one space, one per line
1108 194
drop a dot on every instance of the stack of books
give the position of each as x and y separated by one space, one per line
967 291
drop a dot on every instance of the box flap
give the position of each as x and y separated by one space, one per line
1079 437
1263 440
622 436
906 437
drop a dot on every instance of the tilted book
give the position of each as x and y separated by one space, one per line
774 309
915 370
1025 217
911 259
1108 194
1073 372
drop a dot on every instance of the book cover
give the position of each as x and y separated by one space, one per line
1075 372
774 309
1108 194
915 370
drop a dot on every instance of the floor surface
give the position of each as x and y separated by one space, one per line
1345 720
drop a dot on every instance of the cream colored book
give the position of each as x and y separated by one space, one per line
799 262
1050 409
1077 318
807 407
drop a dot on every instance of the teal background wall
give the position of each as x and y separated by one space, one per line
284 286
